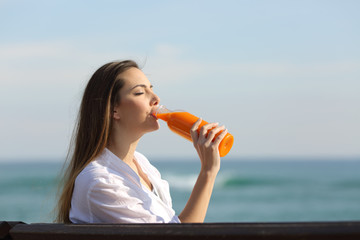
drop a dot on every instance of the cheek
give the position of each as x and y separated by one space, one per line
135 108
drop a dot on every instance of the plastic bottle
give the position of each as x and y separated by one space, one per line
181 122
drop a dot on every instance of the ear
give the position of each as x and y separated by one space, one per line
116 113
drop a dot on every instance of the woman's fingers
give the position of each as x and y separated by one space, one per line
221 136
209 131
214 134
209 135
193 131
206 128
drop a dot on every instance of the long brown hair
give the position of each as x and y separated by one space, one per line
93 126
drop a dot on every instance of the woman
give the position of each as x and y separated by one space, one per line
107 180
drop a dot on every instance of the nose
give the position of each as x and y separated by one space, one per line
155 100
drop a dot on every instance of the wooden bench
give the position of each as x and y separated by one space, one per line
5 228
287 230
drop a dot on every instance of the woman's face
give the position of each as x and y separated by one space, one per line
137 102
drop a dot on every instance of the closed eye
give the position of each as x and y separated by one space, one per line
141 86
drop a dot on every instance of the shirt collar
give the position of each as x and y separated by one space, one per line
119 165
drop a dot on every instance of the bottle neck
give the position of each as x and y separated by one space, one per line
161 111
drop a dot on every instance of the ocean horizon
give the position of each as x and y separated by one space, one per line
246 190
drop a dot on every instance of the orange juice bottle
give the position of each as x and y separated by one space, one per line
181 122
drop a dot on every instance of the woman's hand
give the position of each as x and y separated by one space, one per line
206 142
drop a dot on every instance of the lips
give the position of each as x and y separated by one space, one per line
152 113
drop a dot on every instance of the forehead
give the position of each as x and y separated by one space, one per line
133 77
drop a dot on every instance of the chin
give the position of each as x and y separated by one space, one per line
153 127
156 127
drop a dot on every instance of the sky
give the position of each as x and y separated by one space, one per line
282 76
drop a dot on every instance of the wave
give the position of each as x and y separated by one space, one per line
232 181
348 184
186 182
240 181
181 182
29 183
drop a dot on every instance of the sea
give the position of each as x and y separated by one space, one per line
246 190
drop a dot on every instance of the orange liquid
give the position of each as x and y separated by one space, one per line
181 123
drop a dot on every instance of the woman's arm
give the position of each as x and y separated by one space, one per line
208 151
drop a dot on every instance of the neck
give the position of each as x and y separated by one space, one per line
122 146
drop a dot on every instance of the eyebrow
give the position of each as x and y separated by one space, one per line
140 85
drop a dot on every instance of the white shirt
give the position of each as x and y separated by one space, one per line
109 191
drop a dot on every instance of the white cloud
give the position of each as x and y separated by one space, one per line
28 51
36 77
288 70
168 50
169 64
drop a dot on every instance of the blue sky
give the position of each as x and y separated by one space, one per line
282 76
